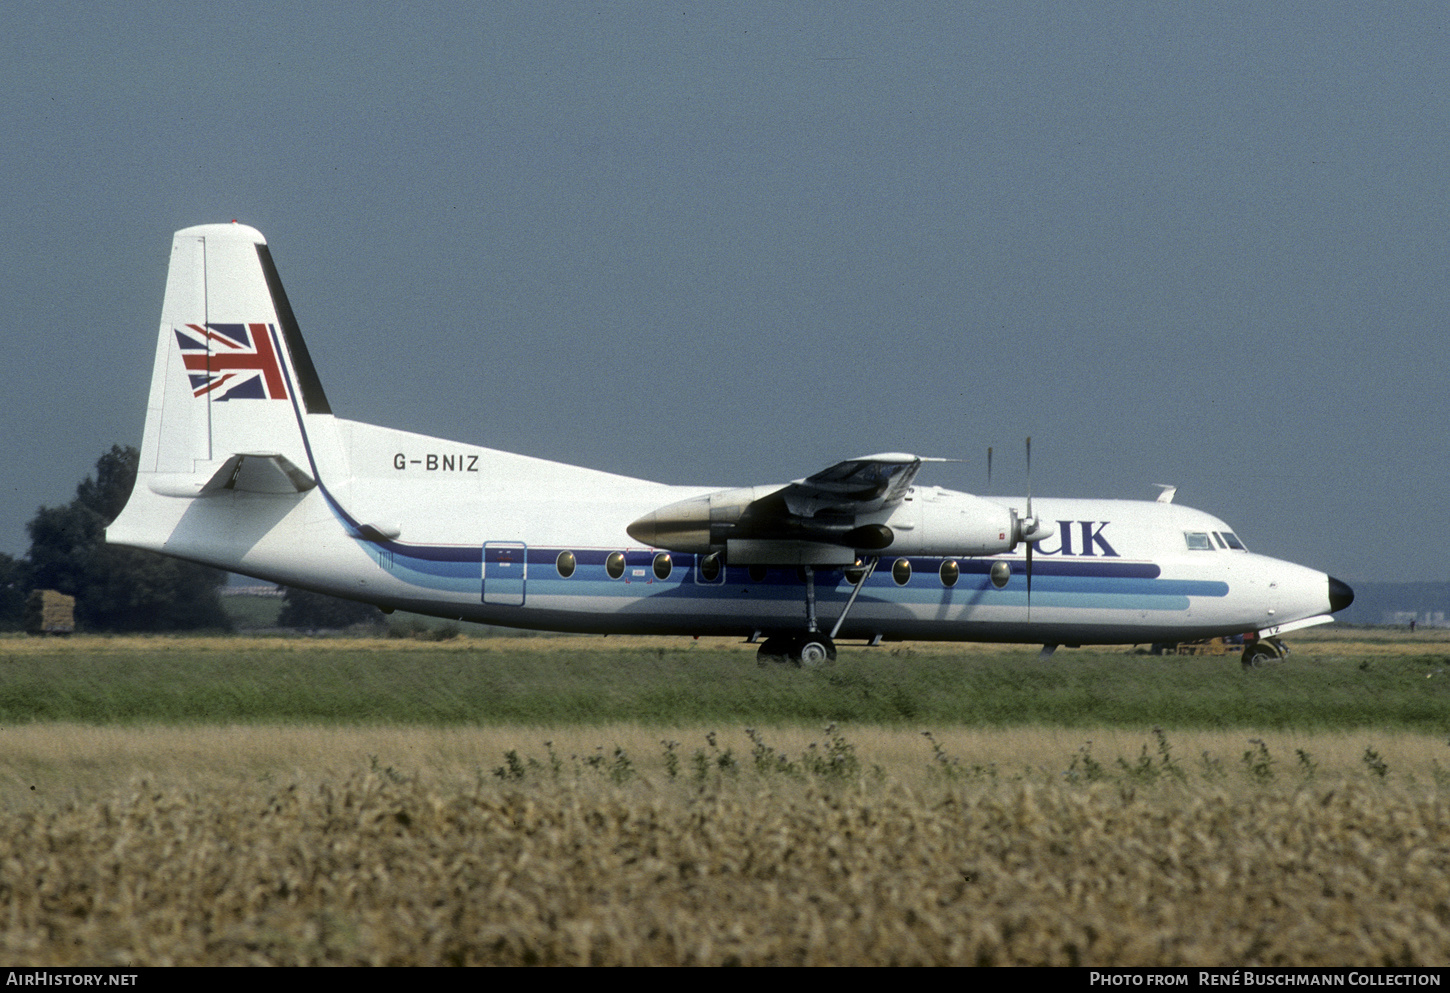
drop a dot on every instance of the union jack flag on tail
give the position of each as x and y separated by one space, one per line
232 361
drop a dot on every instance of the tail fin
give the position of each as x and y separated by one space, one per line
232 378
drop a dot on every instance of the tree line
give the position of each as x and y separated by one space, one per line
120 589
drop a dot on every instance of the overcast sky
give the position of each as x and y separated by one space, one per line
733 243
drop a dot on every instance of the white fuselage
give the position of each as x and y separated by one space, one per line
479 535
243 466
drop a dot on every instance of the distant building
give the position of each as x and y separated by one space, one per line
267 590
49 612
1425 619
1397 604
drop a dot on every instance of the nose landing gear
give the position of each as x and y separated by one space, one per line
1264 652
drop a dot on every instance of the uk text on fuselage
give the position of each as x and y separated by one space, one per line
1091 533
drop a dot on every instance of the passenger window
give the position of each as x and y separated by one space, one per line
757 574
614 565
565 563
710 567
663 565
901 571
950 572
1198 541
1001 574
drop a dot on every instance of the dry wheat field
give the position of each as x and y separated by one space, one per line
642 845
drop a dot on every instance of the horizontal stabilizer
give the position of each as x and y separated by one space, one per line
248 472
379 532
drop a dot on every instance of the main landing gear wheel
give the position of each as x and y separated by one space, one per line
775 650
1263 653
806 651
814 650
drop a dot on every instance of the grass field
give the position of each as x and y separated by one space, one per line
305 846
573 800
1331 684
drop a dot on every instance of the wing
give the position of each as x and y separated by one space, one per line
854 487
818 519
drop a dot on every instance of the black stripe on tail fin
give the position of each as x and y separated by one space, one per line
313 399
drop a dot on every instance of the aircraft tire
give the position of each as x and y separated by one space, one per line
1260 655
775 650
814 650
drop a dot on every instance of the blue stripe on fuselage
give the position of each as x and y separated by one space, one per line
1083 585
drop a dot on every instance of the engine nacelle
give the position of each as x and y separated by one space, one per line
700 524
755 524
934 521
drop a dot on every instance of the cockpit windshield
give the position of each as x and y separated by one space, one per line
1204 541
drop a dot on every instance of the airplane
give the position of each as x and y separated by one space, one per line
245 467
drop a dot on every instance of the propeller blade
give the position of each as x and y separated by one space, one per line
989 468
1029 582
1029 475
1034 528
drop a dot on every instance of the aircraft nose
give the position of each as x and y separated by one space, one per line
1340 595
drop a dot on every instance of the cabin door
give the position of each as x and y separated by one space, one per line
505 569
